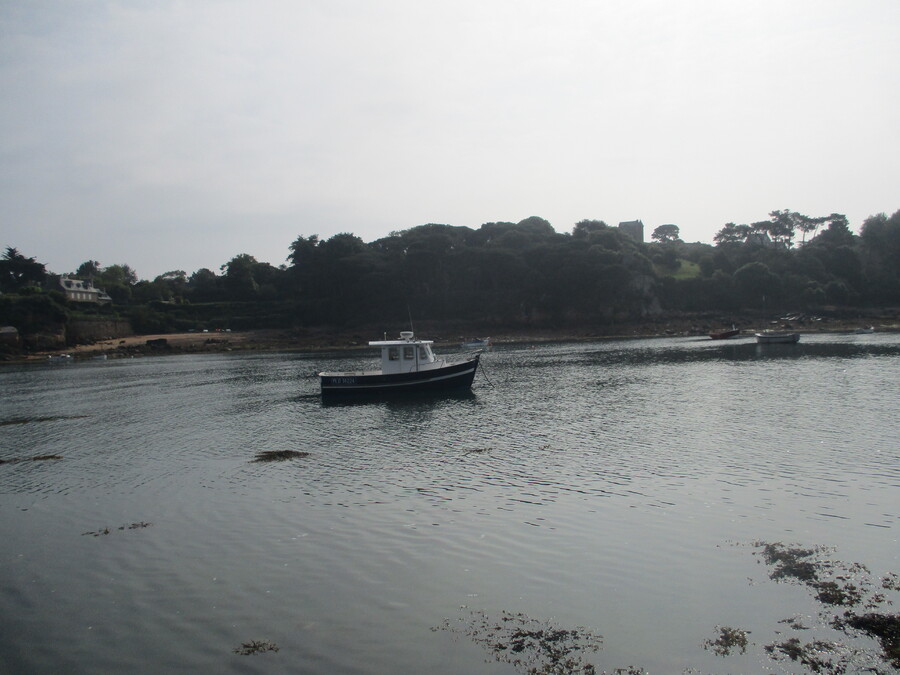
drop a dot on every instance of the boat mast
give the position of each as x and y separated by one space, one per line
415 347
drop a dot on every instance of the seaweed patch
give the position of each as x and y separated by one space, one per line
729 638
256 647
837 587
818 655
884 627
29 420
39 458
278 455
529 644
105 530
790 562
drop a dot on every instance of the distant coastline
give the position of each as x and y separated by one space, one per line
450 335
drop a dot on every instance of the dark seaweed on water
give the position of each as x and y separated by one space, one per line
526 643
29 420
884 627
39 458
105 530
256 647
834 585
790 563
279 455
818 655
729 638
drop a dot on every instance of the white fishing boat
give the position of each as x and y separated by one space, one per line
773 337
407 365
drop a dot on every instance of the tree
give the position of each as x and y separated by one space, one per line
758 286
837 233
174 282
806 225
583 228
342 245
536 226
117 274
880 248
17 271
782 225
303 250
239 281
204 286
666 234
88 269
732 234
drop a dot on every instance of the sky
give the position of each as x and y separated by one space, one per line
177 134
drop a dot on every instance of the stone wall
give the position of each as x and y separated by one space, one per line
81 331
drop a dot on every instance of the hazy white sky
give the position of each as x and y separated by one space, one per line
177 134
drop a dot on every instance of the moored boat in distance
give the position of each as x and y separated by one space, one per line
407 365
476 343
773 337
865 331
725 334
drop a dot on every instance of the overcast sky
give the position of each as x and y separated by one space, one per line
177 134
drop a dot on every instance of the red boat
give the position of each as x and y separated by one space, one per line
725 334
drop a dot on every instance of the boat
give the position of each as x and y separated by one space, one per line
725 334
772 337
476 343
407 365
865 331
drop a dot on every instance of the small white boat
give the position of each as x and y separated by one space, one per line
476 343
865 331
407 365
772 337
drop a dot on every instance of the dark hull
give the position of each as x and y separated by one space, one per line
453 377
725 334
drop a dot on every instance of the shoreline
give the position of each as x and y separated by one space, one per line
332 340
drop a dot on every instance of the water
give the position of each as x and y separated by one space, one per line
615 486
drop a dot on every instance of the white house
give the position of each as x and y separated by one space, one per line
83 291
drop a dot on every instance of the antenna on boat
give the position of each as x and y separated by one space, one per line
409 312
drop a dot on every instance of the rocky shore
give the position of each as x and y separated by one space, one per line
444 334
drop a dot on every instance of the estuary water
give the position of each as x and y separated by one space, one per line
620 488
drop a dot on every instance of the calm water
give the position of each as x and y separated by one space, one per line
611 485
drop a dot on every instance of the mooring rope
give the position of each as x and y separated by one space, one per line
481 365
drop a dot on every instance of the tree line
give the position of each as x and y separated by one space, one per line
505 274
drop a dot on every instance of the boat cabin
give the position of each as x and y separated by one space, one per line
406 354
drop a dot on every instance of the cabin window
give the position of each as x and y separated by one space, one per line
409 353
393 354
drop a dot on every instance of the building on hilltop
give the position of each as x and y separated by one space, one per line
633 228
83 291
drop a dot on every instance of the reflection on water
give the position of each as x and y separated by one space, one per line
597 484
